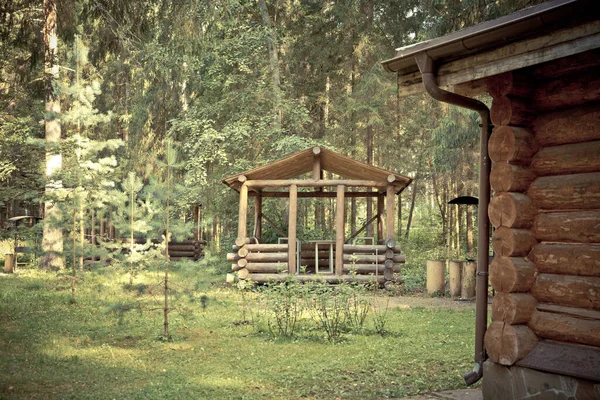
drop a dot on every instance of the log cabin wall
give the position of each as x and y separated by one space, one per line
546 207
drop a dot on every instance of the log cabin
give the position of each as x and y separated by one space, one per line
540 69
332 261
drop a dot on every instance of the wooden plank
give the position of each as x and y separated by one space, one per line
525 53
339 230
564 359
292 222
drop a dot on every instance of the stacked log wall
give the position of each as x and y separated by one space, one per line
263 263
512 212
546 211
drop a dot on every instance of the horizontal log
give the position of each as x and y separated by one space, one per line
311 183
567 159
368 268
315 194
323 255
510 242
510 83
568 226
367 248
568 290
574 125
232 257
512 274
565 328
184 247
568 91
366 258
513 308
243 252
310 262
266 268
240 241
512 144
236 267
243 273
262 247
511 110
183 253
512 210
506 344
267 257
567 65
273 278
507 177
567 258
566 192
581 313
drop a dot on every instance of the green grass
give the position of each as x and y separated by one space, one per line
106 345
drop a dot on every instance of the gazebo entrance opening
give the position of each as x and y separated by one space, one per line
332 259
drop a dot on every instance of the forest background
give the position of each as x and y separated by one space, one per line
92 91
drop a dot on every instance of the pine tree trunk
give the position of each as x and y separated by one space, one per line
274 63
370 162
52 240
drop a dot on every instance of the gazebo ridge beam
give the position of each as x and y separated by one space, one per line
255 184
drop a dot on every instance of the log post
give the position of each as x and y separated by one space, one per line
258 217
243 212
380 209
292 222
389 212
469 280
339 230
316 163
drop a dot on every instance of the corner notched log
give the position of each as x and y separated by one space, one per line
512 210
506 344
509 110
507 177
566 328
513 308
509 242
568 290
512 144
567 259
509 83
566 192
574 226
512 274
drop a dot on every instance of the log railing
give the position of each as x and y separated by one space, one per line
269 262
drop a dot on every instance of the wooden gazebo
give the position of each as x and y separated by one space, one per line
330 260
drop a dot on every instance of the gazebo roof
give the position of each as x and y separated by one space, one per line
302 162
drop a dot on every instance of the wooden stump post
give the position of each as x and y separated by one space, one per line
9 263
389 212
258 217
455 271
469 280
435 277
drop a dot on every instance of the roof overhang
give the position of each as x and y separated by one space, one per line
515 41
301 163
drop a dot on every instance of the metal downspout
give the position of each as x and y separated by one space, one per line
427 69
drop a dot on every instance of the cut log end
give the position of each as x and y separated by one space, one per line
506 344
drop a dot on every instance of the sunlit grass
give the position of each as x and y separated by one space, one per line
107 345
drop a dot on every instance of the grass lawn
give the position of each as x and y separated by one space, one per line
107 346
